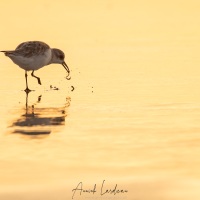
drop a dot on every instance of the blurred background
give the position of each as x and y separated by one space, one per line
129 114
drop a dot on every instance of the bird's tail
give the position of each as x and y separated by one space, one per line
7 52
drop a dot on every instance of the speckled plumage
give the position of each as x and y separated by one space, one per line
32 48
33 55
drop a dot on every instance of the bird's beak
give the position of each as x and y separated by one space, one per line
66 67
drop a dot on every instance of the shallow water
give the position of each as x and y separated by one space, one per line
129 115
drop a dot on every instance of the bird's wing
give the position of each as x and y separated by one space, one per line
29 49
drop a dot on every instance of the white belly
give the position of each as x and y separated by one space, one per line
33 62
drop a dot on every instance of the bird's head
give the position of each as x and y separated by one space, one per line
58 56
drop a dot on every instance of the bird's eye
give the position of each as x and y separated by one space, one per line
61 57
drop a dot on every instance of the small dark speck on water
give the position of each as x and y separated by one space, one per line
54 88
39 98
72 88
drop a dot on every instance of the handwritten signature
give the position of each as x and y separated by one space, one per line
79 189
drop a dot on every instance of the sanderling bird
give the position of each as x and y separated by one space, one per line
34 55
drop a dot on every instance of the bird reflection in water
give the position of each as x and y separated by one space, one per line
36 121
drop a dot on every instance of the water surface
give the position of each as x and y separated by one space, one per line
133 116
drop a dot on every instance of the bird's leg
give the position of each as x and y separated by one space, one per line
27 90
32 74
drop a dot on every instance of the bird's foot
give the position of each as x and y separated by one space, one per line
27 90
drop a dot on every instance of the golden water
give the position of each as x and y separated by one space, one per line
133 118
